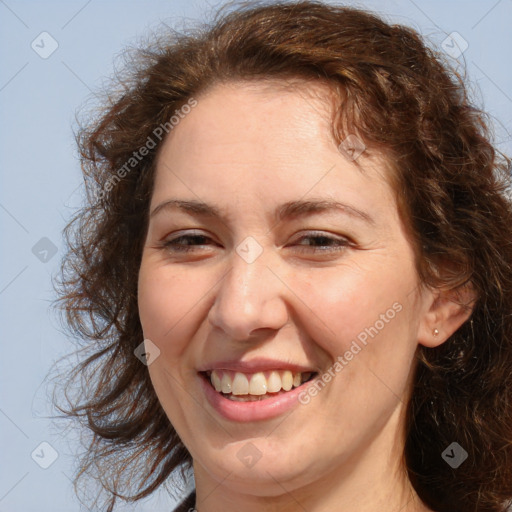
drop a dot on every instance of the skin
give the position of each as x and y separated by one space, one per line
247 148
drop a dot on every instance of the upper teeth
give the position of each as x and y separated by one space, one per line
257 383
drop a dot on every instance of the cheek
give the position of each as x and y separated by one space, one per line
363 321
168 306
367 306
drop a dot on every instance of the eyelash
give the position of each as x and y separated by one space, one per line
341 243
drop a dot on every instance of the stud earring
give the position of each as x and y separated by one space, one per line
436 332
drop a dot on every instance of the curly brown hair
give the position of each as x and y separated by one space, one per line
403 100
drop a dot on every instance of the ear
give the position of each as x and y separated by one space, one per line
445 311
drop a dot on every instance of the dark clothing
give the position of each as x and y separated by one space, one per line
188 504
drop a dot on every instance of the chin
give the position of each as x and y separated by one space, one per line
238 467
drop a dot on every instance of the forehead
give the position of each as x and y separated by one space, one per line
265 138
235 113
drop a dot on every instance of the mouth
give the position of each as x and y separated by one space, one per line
254 387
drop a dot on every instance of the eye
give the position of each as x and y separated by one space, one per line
313 242
188 243
322 242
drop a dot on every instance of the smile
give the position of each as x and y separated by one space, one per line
257 386
245 397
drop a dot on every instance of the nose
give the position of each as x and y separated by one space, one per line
250 300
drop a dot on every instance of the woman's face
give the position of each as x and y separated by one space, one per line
270 254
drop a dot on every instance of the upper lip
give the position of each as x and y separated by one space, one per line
255 365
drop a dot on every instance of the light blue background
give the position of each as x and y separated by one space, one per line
40 175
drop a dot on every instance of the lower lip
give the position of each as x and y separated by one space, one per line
251 411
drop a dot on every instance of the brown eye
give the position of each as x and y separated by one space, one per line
321 242
188 243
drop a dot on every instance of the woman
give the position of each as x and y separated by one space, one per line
294 271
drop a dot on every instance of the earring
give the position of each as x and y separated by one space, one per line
436 332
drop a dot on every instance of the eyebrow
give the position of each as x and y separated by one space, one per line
289 210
